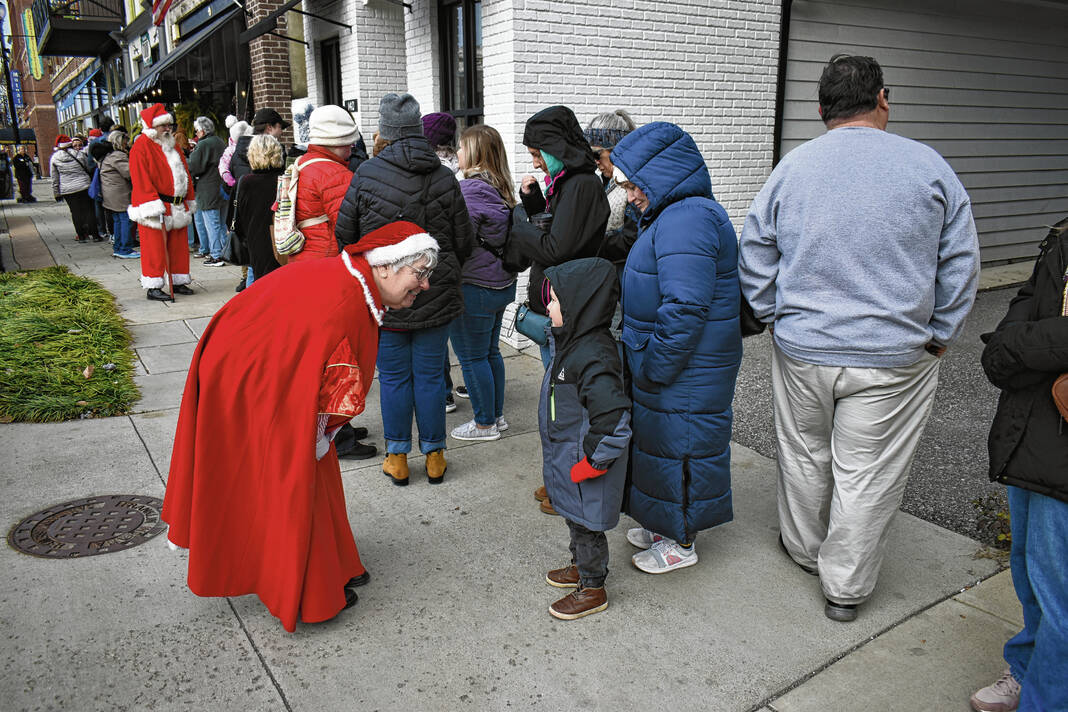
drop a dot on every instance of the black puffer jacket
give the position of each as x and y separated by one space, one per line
389 187
1023 356
577 203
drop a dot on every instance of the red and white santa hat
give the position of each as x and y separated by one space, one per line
152 117
393 242
63 141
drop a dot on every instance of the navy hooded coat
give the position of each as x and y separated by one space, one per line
681 335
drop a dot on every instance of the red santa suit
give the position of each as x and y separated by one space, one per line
254 490
161 203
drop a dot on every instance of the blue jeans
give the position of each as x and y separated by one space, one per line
1038 654
476 338
210 229
410 378
250 278
121 229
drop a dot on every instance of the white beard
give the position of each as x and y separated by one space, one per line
165 140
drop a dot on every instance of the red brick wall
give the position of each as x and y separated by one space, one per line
39 112
270 65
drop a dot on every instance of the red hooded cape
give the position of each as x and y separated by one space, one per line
258 513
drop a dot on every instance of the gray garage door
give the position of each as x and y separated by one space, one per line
985 84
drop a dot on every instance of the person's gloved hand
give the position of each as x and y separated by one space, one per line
583 470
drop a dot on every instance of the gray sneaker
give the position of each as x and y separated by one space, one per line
1002 696
471 431
502 424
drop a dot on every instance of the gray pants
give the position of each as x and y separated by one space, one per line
589 551
846 440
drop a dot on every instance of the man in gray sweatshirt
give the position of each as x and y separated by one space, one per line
861 253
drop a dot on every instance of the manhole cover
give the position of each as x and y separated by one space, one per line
90 526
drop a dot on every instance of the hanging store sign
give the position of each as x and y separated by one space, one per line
146 50
36 68
16 88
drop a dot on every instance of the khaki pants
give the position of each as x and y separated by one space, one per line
846 439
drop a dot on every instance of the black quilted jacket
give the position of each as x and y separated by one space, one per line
390 187
1029 439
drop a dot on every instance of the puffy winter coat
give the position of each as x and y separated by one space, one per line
1029 349
70 171
204 167
391 185
320 189
490 217
115 183
577 202
584 409
681 336
239 166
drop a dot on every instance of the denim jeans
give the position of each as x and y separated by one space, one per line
410 378
192 230
1038 654
121 229
249 278
476 337
210 229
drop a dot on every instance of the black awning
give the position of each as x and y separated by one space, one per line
212 55
25 136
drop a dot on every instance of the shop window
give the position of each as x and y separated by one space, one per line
330 61
460 29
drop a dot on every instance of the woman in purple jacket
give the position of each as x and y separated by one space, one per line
488 288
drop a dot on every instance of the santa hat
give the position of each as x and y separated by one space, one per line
93 133
152 117
63 141
393 242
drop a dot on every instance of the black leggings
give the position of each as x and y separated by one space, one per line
82 213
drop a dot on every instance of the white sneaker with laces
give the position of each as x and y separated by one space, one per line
502 424
642 538
1002 696
471 431
665 555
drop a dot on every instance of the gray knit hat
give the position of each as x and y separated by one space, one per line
398 117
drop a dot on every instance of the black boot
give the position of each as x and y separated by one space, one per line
158 295
182 289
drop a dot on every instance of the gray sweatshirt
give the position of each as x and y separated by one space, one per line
861 249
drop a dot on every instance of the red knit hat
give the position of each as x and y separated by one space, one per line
93 133
63 141
393 242
155 115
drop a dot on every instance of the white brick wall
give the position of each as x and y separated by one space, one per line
423 58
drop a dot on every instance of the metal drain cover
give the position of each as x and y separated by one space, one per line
90 526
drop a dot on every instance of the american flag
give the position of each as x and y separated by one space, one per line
159 11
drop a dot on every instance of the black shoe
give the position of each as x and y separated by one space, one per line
359 433
97 238
360 580
359 451
450 404
350 598
182 289
461 391
158 295
806 569
841 612
240 286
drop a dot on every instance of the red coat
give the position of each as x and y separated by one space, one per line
320 190
258 513
156 171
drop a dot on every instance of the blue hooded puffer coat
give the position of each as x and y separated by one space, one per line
681 335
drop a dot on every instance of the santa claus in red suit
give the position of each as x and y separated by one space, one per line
276 373
161 204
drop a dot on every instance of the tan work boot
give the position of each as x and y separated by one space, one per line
567 577
436 466
396 466
547 507
579 603
541 494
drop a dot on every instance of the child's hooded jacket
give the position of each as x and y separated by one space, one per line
584 410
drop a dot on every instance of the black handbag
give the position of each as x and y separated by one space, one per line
235 251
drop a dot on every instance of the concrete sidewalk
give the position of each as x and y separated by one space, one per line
455 615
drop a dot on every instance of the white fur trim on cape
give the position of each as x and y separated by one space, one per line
375 311
152 282
388 254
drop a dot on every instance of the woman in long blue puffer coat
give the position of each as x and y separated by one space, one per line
683 345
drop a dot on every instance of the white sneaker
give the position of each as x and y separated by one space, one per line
642 538
471 431
1002 696
665 555
502 424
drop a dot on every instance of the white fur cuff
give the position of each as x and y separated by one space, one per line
179 218
144 212
151 282
178 279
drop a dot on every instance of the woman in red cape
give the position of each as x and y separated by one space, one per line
255 490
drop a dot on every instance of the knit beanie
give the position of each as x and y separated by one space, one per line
604 138
398 117
439 129
230 120
239 129
331 126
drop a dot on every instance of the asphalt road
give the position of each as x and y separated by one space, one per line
950 470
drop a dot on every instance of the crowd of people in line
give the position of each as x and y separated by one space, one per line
638 295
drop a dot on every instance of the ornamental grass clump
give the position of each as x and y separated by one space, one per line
64 350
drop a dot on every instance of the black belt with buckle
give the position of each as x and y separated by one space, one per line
172 199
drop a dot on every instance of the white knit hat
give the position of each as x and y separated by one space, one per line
239 129
331 126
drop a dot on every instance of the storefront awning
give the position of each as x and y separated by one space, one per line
70 97
25 136
208 56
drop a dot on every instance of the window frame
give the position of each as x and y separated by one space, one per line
470 114
335 44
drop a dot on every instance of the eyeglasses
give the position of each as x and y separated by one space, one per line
421 274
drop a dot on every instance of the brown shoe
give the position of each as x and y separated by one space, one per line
540 494
436 466
547 507
579 603
567 577
396 466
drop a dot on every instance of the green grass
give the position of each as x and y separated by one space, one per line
53 325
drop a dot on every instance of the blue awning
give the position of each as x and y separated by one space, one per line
68 100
